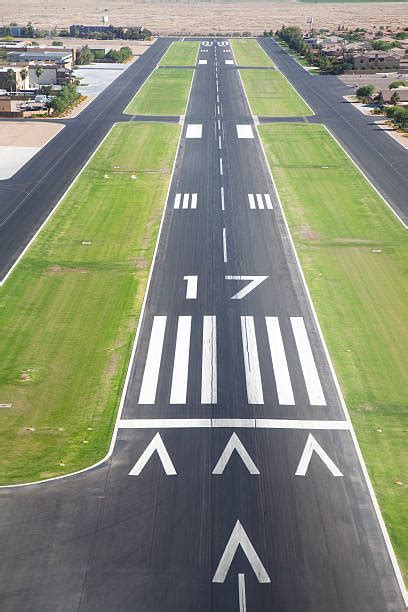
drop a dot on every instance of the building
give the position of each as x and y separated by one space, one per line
52 74
63 58
375 61
386 95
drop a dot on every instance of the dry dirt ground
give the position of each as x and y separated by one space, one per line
27 134
204 17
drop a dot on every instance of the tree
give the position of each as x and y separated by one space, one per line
395 98
38 72
86 57
24 75
11 79
365 92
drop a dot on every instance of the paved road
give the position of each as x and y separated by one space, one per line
27 198
383 160
286 522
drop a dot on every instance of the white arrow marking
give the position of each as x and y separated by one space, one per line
240 538
235 443
313 445
155 445
254 282
241 593
191 293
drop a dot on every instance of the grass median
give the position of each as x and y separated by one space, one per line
270 94
181 54
69 311
354 254
164 93
248 52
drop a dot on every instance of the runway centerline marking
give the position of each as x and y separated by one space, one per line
153 361
224 244
178 394
222 199
221 167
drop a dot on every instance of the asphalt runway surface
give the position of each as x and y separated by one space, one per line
32 193
234 484
382 159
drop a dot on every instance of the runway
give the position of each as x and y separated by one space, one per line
29 196
382 159
235 484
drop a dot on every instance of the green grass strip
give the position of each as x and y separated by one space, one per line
164 93
248 52
69 311
270 94
354 254
181 54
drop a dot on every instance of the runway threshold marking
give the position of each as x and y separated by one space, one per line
183 201
251 361
194 130
245 131
209 361
307 362
279 362
153 361
178 393
249 328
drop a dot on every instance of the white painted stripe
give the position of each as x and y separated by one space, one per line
224 244
209 361
226 423
229 61
186 197
218 109
307 362
192 282
268 201
221 167
251 361
219 142
222 199
177 200
280 365
241 593
245 131
218 98
219 124
251 200
202 61
153 360
194 201
260 201
179 381
194 130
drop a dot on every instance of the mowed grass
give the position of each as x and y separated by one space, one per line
354 254
181 54
270 94
164 93
248 52
69 311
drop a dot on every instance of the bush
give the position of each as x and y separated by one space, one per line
67 96
365 92
119 56
396 84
